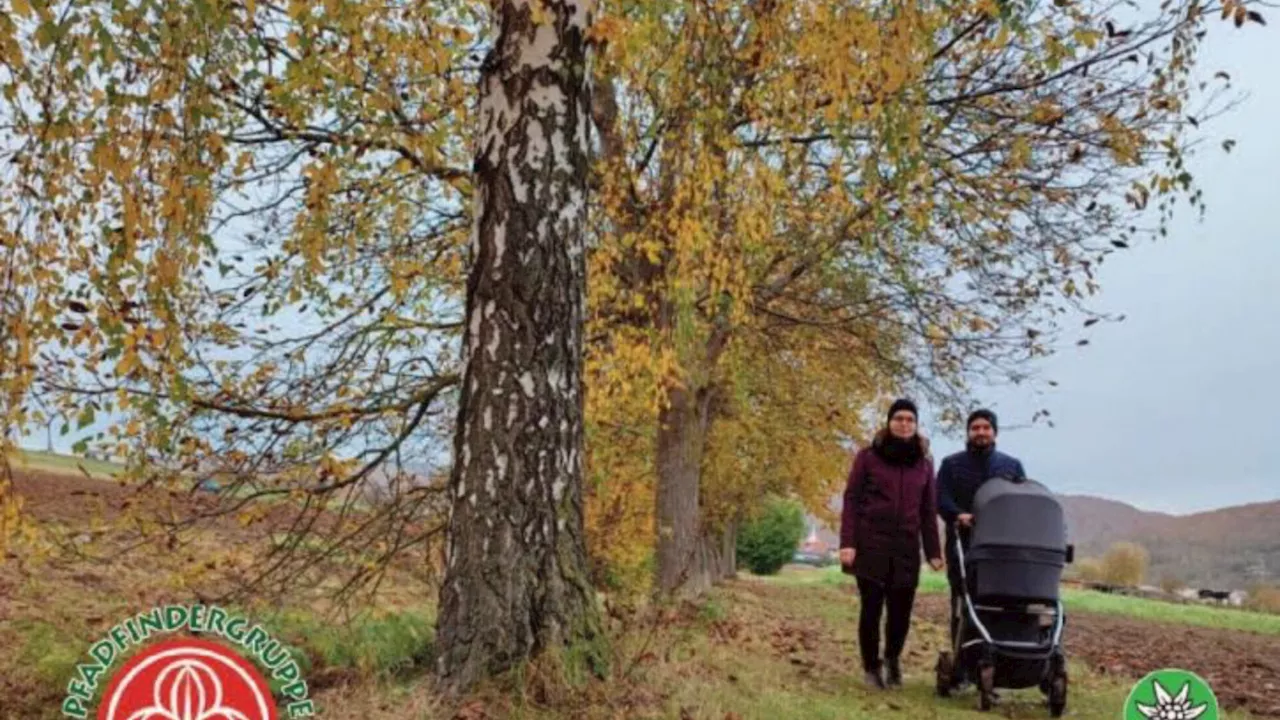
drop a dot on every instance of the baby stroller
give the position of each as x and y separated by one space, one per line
1011 619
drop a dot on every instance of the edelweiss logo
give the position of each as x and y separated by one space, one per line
1171 707
187 679
1151 698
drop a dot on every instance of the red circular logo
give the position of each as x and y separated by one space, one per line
187 679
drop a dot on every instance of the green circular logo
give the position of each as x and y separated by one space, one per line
1171 694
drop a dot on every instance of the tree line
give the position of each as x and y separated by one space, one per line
629 268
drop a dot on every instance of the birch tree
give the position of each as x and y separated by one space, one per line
516 580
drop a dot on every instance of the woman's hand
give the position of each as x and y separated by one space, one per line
937 564
846 556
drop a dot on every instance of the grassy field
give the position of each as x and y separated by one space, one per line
28 460
1076 600
756 648
777 647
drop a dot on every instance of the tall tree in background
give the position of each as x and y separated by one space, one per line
516 579
922 190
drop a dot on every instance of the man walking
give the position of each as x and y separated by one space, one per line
959 477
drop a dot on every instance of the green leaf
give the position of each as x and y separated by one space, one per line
86 417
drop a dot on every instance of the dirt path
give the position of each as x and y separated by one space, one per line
1243 668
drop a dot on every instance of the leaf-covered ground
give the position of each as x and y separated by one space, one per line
778 648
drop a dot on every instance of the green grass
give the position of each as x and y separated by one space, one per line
56 463
694 672
747 678
372 644
1080 601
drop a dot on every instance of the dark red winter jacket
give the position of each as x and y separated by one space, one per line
890 510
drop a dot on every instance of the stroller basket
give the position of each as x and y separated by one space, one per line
1016 572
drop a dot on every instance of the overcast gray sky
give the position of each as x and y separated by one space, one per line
1177 408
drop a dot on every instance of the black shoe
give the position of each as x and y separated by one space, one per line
873 679
893 672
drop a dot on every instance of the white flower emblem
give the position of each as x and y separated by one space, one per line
1172 707
187 689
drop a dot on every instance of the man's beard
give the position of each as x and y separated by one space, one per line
981 445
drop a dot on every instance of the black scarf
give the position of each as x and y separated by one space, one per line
896 451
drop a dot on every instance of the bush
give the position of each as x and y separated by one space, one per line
1125 565
1088 570
770 541
1264 599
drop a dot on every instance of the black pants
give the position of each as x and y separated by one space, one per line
896 604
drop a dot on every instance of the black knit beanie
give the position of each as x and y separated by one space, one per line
903 404
983 414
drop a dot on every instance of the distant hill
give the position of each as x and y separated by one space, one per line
1231 548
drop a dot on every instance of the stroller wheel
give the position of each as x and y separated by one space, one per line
1058 694
986 687
944 672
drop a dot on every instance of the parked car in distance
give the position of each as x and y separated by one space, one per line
814 558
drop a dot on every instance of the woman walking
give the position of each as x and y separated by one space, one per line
889 511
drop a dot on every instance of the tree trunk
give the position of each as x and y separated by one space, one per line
682 566
729 552
516 572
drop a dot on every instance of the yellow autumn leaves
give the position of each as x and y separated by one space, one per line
267 209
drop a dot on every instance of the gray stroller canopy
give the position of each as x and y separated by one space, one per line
1018 514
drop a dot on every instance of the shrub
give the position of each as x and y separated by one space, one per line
1264 599
1088 570
770 541
1125 564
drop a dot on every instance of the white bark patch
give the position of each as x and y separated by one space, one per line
550 97
555 379
570 214
513 412
495 340
462 485
535 149
499 244
488 418
474 340
583 11
472 499
499 459
559 150
537 53
520 189
543 422
526 383
494 109
557 489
